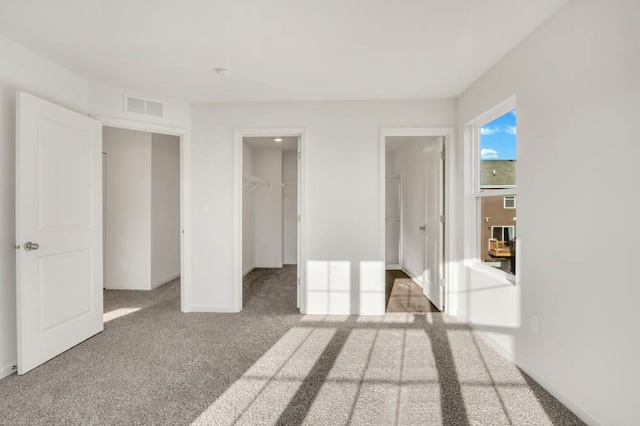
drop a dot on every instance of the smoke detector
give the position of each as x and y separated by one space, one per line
223 72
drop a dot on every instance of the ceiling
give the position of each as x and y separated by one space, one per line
289 143
277 50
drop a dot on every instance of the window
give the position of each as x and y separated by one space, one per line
493 187
510 202
503 233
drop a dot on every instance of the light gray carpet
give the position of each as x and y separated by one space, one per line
271 365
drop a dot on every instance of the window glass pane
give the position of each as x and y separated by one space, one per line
510 202
498 153
497 234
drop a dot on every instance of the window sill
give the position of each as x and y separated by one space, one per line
492 272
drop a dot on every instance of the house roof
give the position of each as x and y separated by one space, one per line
497 173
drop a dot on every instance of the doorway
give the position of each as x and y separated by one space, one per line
167 144
269 216
413 218
141 209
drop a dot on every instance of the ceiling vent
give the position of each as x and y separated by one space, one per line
137 105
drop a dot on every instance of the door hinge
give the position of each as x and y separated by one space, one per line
441 218
298 281
299 219
442 155
299 156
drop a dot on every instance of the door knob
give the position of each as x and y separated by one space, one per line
422 228
28 246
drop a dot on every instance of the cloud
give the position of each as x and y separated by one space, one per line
511 130
484 131
488 153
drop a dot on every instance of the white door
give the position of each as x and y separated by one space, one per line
433 279
58 229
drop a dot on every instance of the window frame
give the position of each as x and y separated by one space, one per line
475 194
504 202
503 227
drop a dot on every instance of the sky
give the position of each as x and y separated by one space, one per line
498 138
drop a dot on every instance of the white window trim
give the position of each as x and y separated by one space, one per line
474 192
504 202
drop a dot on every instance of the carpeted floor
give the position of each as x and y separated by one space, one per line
271 365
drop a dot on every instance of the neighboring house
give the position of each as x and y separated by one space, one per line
498 214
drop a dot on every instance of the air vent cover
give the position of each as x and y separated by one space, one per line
137 105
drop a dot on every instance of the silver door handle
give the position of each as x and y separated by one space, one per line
28 246
422 228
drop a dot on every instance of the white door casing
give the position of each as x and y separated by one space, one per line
58 207
433 225
298 226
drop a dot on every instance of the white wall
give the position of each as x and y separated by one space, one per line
409 162
267 165
165 208
578 98
248 214
21 69
290 207
128 210
341 222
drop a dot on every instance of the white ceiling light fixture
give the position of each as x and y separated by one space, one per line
223 72
278 140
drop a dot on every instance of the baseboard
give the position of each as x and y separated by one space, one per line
249 269
211 309
269 265
125 287
417 278
393 267
7 370
530 371
164 281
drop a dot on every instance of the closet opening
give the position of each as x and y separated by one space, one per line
270 221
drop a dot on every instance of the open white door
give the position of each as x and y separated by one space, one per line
58 229
434 226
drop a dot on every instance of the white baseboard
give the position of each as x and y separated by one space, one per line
269 265
546 384
211 308
134 286
7 370
415 277
393 267
164 281
249 269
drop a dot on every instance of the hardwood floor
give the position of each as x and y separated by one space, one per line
405 295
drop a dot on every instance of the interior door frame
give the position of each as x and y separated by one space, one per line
239 134
450 183
185 211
